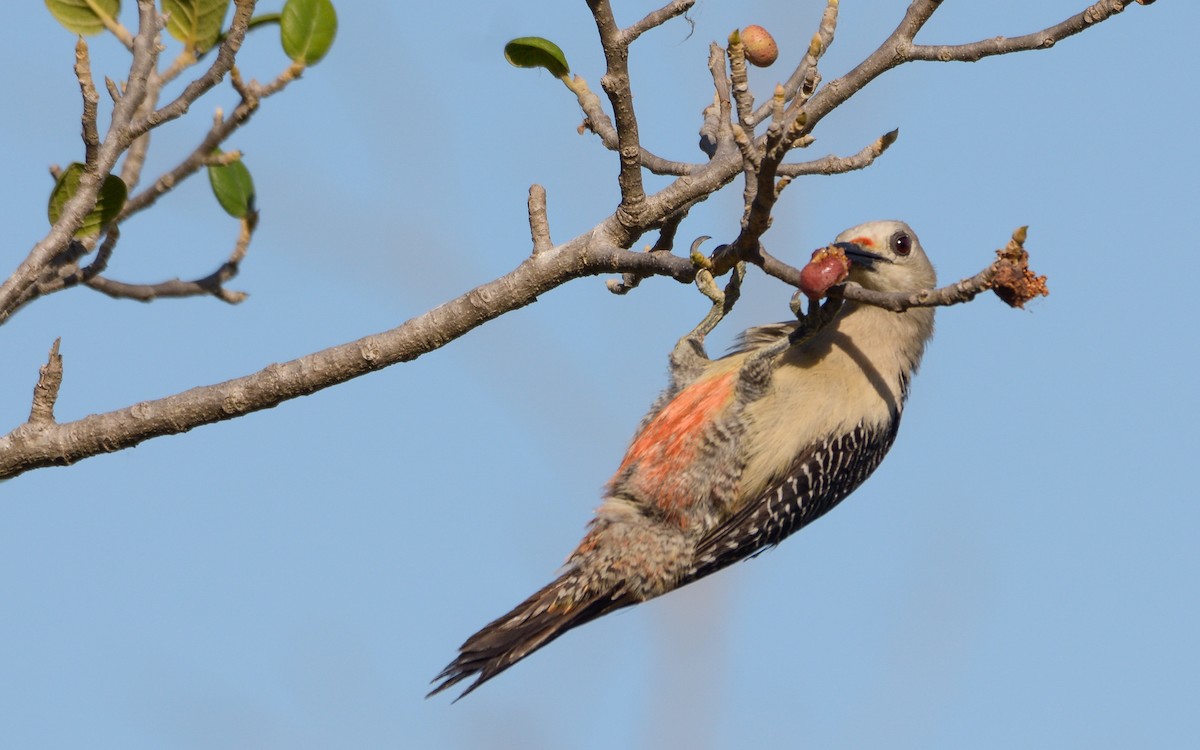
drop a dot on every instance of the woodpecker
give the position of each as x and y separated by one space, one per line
736 454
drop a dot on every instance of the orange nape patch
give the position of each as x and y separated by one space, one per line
669 443
863 241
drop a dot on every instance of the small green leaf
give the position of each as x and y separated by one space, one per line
536 52
84 17
233 186
307 29
108 204
196 23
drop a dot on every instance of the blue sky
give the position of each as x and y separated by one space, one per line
1020 571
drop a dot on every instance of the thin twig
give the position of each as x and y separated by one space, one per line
539 223
222 128
599 250
716 133
740 80
762 157
664 244
656 18
842 164
616 84
184 60
1044 39
87 88
135 158
211 285
804 79
1012 257
597 121
117 29
198 87
146 46
45 392
103 255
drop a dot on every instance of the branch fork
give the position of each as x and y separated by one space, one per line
604 249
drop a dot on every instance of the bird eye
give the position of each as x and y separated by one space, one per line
901 243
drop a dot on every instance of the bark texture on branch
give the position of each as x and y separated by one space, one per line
731 149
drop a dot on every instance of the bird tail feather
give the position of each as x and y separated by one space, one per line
531 625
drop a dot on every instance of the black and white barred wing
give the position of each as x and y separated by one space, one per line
820 478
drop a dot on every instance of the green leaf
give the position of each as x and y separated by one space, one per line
536 52
196 23
233 186
108 204
307 29
84 17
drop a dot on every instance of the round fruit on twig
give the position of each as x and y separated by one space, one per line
761 49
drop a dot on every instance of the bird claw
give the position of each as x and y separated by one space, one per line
689 358
722 300
818 316
708 286
699 259
796 305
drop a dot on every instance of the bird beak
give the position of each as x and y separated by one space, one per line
857 254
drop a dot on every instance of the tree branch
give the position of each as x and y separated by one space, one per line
221 65
19 288
87 88
38 444
54 261
45 393
31 446
656 18
1044 39
597 121
615 83
898 49
539 224
212 284
1008 276
252 95
50 266
838 164
804 79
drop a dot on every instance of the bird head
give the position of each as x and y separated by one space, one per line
886 256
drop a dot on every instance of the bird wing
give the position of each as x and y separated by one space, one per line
760 336
819 478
